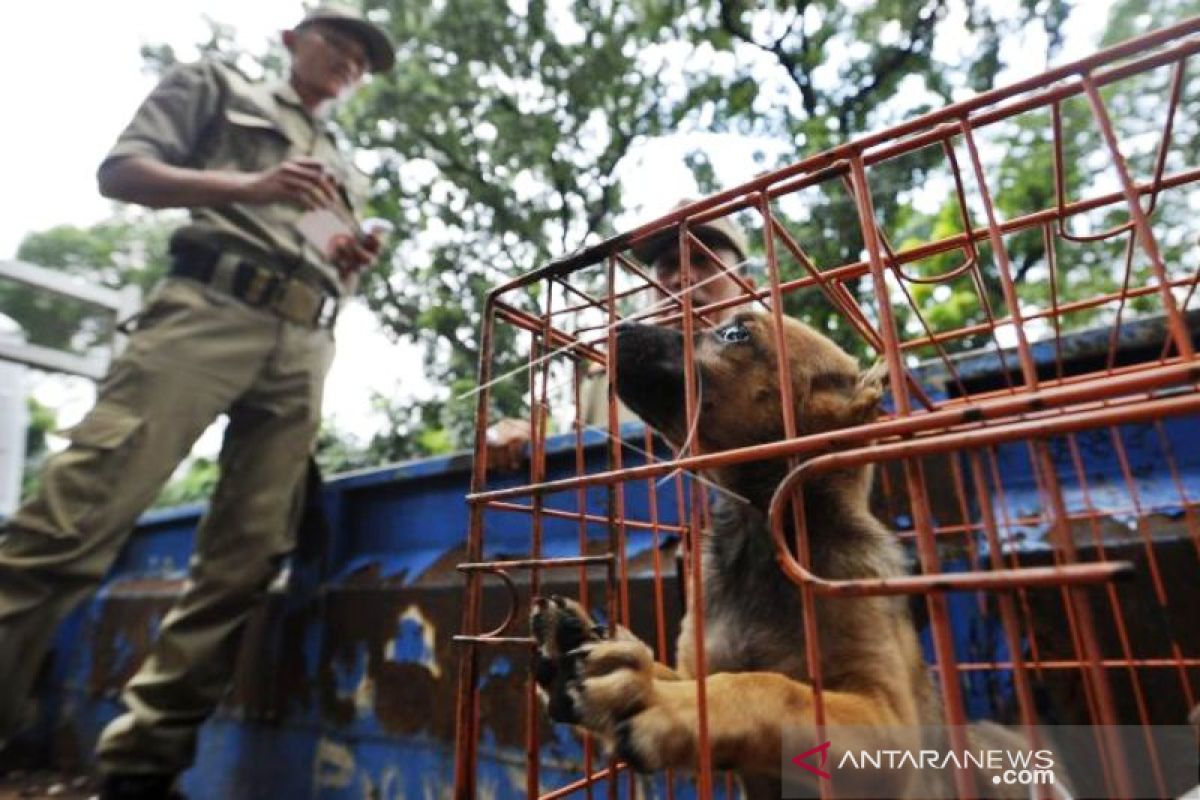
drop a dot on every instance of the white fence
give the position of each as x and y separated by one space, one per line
16 354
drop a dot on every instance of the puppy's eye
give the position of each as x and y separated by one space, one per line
732 334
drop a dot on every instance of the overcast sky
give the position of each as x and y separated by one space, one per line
72 77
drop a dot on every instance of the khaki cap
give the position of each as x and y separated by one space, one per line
720 232
381 53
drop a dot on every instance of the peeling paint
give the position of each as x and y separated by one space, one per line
414 642
333 765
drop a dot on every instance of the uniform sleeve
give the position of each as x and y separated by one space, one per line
358 187
171 121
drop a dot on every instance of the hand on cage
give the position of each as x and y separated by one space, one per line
506 442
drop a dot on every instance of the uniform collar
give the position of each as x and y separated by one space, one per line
285 93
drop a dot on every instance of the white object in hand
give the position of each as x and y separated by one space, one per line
378 227
322 228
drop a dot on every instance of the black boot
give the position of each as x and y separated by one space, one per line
150 786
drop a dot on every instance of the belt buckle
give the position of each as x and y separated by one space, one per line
257 290
298 302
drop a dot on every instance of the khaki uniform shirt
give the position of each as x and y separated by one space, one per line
208 116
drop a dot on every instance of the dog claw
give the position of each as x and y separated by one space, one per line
567 637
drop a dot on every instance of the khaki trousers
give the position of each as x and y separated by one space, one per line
195 354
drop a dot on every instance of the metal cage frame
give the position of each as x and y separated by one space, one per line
1036 402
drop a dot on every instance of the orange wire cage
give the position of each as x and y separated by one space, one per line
1035 447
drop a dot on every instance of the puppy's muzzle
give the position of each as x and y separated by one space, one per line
650 372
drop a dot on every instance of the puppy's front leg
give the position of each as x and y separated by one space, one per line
654 724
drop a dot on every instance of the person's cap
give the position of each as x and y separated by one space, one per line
381 53
720 232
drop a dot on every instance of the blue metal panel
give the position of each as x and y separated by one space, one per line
347 683
398 522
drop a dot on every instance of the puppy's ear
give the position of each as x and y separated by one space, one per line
868 392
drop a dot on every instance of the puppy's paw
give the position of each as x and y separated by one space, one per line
584 678
612 680
561 627
654 739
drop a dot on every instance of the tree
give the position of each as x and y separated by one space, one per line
497 142
411 430
499 136
1023 182
42 422
497 139
122 251
821 72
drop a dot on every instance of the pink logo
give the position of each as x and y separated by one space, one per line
823 749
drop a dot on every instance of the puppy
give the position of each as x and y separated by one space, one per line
758 680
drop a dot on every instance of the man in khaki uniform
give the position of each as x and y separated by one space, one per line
243 326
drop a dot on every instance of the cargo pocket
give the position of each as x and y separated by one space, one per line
107 427
170 299
255 142
78 482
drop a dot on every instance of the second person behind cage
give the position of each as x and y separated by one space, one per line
710 283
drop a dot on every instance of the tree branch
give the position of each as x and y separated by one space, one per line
892 60
793 65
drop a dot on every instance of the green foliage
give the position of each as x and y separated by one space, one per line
222 45
827 72
42 422
115 253
891 74
194 486
411 430
498 137
1129 18
497 143
1081 263
499 134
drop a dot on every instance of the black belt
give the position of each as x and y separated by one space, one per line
268 289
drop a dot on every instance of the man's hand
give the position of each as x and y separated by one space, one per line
351 255
506 442
303 181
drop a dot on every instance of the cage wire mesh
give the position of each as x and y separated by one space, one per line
1024 266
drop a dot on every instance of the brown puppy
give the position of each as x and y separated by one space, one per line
758 680
871 661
